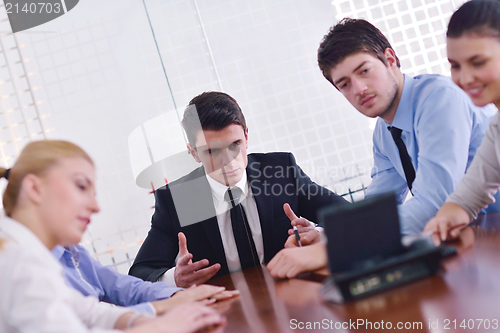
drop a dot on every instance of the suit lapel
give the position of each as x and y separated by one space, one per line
212 231
264 203
211 228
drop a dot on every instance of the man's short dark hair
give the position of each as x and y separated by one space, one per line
348 37
214 111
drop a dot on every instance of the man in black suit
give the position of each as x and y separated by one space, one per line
235 210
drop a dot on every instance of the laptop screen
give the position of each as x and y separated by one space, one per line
362 233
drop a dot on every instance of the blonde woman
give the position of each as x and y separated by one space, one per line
49 201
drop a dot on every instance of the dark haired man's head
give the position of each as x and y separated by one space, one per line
359 61
213 111
217 135
476 17
348 37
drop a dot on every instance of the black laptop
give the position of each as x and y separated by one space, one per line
365 254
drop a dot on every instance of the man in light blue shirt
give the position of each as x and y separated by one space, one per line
89 277
427 129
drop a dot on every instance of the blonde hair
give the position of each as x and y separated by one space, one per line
36 158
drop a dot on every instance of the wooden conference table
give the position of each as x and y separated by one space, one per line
466 292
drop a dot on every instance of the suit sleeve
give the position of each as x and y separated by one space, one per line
160 248
311 196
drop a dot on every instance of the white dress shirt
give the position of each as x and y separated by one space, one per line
222 209
33 294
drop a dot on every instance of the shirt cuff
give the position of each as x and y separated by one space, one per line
169 277
144 309
153 310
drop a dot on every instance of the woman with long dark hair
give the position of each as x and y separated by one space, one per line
473 45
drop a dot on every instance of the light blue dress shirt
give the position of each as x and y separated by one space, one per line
88 276
442 130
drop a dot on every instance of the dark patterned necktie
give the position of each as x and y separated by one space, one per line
405 157
241 230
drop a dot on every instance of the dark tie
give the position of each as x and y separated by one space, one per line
241 230
405 157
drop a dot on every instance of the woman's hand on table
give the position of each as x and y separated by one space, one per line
450 219
204 294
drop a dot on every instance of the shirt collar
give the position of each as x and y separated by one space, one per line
22 235
219 190
58 251
403 119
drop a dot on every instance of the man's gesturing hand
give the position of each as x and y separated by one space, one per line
308 234
188 273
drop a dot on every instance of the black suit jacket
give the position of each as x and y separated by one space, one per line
274 178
